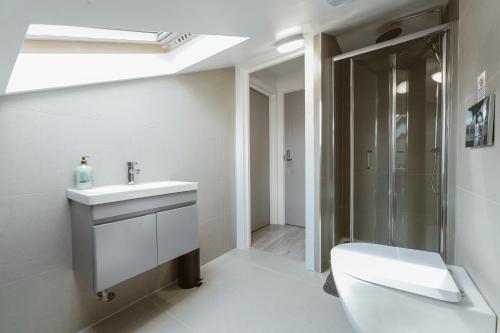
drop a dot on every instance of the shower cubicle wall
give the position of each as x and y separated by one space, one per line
389 143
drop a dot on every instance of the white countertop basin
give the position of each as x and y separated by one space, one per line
114 193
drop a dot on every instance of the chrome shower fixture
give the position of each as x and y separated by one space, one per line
391 30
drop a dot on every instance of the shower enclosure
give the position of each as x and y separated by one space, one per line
390 140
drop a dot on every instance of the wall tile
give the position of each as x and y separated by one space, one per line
478 169
36 235
179 127
479 45
477 204
477 235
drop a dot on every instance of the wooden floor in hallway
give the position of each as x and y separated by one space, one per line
284 240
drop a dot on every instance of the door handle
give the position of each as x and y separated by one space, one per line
288 155
369 159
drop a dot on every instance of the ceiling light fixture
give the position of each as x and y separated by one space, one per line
437 77
290 44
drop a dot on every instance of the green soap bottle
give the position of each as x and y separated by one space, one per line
83 175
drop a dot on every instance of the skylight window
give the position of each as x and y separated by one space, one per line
69 33
64 56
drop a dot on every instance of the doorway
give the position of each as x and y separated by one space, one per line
278 143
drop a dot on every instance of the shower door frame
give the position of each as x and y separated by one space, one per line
444 137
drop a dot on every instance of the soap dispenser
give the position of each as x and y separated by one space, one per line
83 174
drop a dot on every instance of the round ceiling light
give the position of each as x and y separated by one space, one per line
290 44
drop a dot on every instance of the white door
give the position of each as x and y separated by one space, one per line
259 159
294 158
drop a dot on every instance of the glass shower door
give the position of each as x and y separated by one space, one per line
370 76
417 144
395 134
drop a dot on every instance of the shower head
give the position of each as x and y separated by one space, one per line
388 35
395 27
435 10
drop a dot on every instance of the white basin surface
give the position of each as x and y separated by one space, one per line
419 272
114 193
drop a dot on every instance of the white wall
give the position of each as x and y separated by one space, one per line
292 80
178 127
477 228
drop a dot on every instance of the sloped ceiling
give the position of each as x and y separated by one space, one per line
261 20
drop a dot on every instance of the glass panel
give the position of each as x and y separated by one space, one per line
341 159
417 150
401 158
371 73
415 147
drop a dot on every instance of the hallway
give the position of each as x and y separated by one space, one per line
284 240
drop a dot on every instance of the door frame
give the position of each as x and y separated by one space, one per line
277 189
274 146
312 146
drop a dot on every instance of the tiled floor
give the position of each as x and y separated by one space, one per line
284 240
244 291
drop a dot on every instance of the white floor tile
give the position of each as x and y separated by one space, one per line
244 291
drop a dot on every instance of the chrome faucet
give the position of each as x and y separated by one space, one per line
132 171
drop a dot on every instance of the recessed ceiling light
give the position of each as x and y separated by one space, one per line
290 44
438 77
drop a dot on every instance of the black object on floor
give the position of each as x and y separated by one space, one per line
330 287
189 270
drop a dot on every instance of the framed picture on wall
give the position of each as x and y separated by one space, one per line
480 122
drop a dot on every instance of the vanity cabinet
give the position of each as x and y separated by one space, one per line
177 232
124 249
115 241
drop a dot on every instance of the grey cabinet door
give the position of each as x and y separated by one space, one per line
295 213
177 232
123 249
